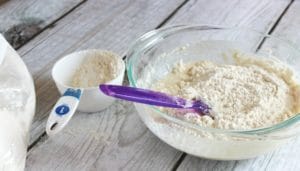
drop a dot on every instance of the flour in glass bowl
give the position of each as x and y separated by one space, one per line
252 93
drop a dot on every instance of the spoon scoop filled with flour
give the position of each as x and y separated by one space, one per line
96 70
77 77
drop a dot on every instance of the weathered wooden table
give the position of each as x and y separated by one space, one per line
116 139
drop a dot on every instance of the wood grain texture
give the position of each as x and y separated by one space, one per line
116 139
288 27
259 15
20 20
285 158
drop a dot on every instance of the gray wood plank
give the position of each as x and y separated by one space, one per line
259 15
289 25
115 32
114 139
285 158
20 20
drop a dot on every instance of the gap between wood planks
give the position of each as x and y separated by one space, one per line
179 161
52 24
275 24
168 18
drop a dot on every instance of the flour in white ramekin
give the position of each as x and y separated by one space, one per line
96 69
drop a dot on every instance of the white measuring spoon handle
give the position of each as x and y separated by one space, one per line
63 111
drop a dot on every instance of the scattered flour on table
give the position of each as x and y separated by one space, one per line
250 94
97 69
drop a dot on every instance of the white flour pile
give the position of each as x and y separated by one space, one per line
249 94
95 70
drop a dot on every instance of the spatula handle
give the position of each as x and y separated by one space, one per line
150 97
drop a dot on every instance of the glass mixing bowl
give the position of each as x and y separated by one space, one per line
150 57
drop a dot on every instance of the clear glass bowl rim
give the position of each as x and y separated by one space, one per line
136 48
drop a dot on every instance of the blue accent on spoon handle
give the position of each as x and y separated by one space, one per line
63 110
73 92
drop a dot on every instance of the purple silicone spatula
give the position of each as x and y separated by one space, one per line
155 98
